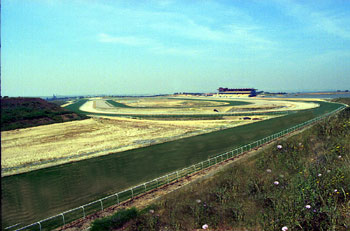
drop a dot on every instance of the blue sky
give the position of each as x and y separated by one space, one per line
149 47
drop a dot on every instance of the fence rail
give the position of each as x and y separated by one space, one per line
116 198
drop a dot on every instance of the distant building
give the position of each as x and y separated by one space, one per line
237 91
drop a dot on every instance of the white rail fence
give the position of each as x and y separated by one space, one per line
115 199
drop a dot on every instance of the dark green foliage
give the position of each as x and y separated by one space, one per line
115 221
28 112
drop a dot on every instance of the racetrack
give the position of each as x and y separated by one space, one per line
52 190
174 106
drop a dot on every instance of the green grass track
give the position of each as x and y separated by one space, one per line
35 195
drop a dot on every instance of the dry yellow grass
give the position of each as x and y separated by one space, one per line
99 135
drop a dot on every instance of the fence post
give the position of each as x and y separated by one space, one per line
144 184
202 164
101 204
83 210
157 182
39 225
132 193
117 197
63 219
167 176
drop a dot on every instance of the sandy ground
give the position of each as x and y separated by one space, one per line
258 105
95 137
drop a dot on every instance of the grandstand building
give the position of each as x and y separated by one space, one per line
227 92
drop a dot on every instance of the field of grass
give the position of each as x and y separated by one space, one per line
304 184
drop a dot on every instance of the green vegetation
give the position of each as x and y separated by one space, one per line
115 221
303 185
58 102
28 112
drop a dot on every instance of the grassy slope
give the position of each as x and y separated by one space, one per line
312 169
28 112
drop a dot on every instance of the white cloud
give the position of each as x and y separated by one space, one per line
327 21
124 40
245 35
150 44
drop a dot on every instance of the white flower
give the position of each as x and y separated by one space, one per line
198 201
339 157
151 211
319 174
308 206
268 170
276 183
284 228
335 190
328 171
279 146
205 226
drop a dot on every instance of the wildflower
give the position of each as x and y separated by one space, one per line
279 146
151 211
284 228
276 183
319 174
268 170
198 201
281 175
205 226
335 190
308 206
328 171
300 144
315 210
339 157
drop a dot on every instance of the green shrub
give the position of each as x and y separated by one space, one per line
115 221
